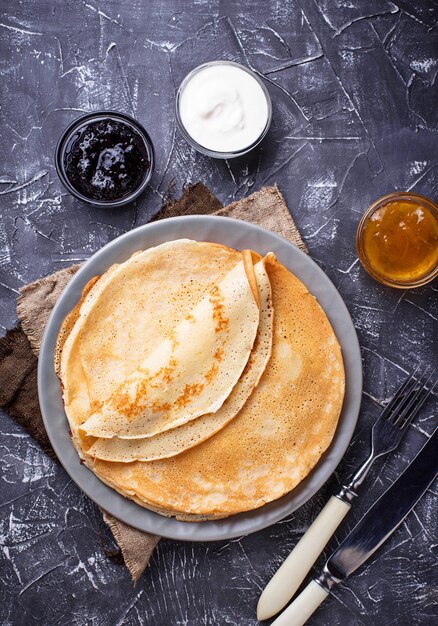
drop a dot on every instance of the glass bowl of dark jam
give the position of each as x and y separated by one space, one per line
105 159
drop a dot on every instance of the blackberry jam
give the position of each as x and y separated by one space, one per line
105 159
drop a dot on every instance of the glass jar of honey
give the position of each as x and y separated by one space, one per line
397 240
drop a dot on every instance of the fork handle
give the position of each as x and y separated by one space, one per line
292 572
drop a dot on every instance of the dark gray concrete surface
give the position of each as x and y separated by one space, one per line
355 91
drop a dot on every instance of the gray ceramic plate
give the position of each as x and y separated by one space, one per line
235 234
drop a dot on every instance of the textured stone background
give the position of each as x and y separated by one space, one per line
355 91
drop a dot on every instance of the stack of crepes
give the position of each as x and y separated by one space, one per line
198 380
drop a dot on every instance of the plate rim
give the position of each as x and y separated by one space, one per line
124 508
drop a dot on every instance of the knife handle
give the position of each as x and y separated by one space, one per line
302 608
292 572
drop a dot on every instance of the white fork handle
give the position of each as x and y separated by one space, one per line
302 608
293 571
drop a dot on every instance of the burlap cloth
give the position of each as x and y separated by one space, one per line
20 346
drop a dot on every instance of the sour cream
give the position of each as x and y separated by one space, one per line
223 108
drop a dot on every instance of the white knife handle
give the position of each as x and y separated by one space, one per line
302 608
293 571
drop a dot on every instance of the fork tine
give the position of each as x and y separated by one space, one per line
400 396
410 395
416 388
411 411
401 414
401 389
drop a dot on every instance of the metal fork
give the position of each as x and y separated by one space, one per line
390 426
386 435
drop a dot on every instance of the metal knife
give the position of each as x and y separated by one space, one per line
368 535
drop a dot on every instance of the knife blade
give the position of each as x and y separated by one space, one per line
381 520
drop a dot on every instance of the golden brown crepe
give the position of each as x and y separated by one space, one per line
140 303
271 444
177 440
191 373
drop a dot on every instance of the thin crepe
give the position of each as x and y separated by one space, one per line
192 372
131 309
176 441
126 313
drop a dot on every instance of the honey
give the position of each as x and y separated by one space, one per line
397 240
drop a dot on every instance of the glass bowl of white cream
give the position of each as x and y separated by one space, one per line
223 109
